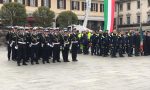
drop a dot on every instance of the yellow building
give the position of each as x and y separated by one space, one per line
96 16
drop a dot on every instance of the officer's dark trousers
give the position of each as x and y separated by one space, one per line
120 51
50 51
105 51
56 52
114 51
39 49
74 51
14 53
9 51
45 53
99 50
137 50
34 54
65 53
129 50
21 53
28 52
85 49
93 49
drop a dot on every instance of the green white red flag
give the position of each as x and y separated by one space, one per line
109 11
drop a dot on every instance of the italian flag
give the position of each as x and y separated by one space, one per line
109 11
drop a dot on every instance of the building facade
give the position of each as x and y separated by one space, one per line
130 13
96 16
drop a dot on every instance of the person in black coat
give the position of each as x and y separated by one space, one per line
9 41
65 47
93 41
114 43
136 43
74 48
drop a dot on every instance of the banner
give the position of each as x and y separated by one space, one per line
109 11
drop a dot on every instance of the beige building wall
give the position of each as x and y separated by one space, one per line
134 11
31 9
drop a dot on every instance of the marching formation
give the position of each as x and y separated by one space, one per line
33 45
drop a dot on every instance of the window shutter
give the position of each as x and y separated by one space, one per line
96 7
78 5
58 7
36 3
42 2
82 6
23 2
64 4
28 2
72 5
49 3
91 6
10 0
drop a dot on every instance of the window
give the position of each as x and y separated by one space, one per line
75 5
61 4
128 6
20 1
121 7
138 4
138 19
94 7
120 20
101 7
83 6
128 20
6 1
148 2
46 3
148 18
33 3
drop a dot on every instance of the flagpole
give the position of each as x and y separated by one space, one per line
141 32
141 14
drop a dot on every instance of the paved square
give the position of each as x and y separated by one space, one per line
90 73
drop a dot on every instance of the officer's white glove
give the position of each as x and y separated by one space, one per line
16 47
30 45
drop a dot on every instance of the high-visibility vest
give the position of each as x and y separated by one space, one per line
80 35
89 35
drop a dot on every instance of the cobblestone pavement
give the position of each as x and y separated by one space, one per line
90 73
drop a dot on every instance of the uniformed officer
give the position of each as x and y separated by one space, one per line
120 44
9 46
28 42
105 44
93 41
14 45
145 44
21 48
45 47
65 47
56 48
136 43
85 43
74 48
34 48
99 46
114 43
